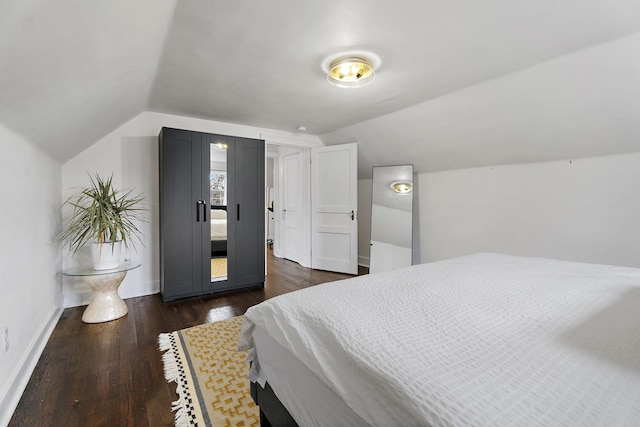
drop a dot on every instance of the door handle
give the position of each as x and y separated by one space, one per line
238 211
204 210
352 215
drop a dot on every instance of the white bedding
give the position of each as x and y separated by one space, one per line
297 386
486 339
218 224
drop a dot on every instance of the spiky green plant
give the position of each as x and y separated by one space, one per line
102 214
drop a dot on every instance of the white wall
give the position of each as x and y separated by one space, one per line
130 153
585 210
30 263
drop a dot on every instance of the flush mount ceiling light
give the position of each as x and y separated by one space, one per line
402 187
220 145
351 69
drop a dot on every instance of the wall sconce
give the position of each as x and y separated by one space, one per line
402 187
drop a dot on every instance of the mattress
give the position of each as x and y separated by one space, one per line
486 339
296 385
218 224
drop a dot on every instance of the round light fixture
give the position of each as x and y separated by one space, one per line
351 69
351 72
402 187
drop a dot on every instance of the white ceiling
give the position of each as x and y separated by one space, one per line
462 83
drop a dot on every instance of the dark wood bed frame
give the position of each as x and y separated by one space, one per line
272 411
218 248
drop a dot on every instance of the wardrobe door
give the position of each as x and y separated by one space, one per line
245 213
184 240
250 212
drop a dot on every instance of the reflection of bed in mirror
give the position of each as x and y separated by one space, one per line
218 231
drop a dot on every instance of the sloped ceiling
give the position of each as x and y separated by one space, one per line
73 71
461 84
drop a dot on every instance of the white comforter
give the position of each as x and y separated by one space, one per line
218 224
485 339
218 229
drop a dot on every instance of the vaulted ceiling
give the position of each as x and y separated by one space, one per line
462 83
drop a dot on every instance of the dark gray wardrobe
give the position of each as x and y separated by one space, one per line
187 214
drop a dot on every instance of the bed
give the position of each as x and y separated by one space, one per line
485 339
218 231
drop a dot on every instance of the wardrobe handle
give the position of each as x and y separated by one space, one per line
238 211
204 211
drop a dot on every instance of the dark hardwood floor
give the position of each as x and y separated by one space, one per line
111 374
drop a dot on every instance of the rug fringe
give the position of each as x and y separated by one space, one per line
169 358
164 343
170 366
182 418
171 374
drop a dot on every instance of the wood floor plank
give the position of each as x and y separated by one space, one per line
111 374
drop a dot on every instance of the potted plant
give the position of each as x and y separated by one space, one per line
103 216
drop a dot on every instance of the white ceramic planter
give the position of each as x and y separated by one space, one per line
106 255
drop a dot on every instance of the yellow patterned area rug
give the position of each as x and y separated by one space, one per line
213 388
218 267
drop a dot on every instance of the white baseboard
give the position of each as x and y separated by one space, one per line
139 289
25 368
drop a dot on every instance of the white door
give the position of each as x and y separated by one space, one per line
334 205
291 185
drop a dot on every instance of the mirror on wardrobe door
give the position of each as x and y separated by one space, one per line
391 218
218 190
